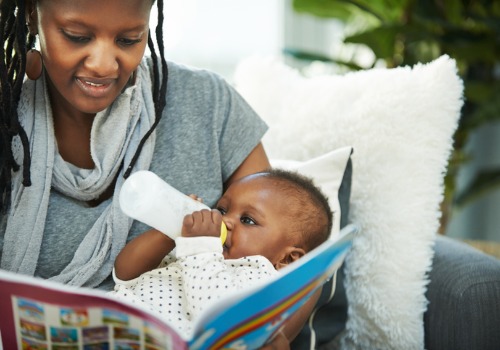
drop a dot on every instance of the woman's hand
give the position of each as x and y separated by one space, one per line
293 325
280 342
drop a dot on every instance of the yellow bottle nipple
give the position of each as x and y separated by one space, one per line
223 232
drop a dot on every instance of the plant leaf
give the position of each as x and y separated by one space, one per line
324 9
386 11
310 56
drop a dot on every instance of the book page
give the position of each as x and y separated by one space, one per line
38 314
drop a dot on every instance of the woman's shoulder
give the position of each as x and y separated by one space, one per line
187 74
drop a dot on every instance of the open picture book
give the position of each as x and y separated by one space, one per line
39 314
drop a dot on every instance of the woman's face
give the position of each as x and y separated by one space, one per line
90 49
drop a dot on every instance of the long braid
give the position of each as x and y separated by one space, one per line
15 38
159 87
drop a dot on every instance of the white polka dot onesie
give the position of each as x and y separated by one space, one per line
184 285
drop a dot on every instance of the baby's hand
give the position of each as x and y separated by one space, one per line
196 198
202 223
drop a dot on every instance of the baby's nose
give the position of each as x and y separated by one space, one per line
228 223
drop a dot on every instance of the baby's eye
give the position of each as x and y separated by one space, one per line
222 210
247 220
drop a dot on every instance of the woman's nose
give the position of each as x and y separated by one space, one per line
102 60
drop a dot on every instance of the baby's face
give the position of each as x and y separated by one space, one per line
255 213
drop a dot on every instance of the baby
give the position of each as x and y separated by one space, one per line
273 218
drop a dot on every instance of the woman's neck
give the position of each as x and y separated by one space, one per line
72 130
73 140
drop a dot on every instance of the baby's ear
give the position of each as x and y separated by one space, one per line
290 254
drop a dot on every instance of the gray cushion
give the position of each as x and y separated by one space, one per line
464 299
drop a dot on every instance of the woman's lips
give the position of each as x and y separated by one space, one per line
94 87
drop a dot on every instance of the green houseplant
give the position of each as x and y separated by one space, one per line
405 32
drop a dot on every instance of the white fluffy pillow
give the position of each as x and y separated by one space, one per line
400 123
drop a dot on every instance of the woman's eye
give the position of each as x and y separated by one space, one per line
128 42
77 38
247 220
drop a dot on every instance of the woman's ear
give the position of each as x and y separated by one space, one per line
31 16
290 254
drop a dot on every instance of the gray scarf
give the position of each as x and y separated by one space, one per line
115 135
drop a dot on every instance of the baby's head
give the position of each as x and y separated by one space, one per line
279 214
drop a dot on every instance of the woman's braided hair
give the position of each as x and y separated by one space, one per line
17 40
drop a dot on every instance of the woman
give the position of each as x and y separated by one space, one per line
93 110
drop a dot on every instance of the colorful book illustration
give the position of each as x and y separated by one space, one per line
39 314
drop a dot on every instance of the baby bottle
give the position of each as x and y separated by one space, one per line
145 197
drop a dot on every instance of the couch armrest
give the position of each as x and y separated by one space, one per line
464 299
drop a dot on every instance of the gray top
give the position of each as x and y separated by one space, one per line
206 131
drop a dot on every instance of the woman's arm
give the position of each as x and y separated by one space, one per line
299 319
144 253
293 325
256 161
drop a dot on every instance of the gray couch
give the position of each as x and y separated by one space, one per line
463 310
464 299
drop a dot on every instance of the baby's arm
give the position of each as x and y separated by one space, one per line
142 254
145 252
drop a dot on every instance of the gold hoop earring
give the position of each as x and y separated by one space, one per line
33 64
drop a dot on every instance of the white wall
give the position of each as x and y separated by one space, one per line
217 34
479 219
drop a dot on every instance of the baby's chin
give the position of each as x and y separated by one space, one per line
227 253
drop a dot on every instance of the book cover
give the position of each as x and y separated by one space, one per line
39 314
